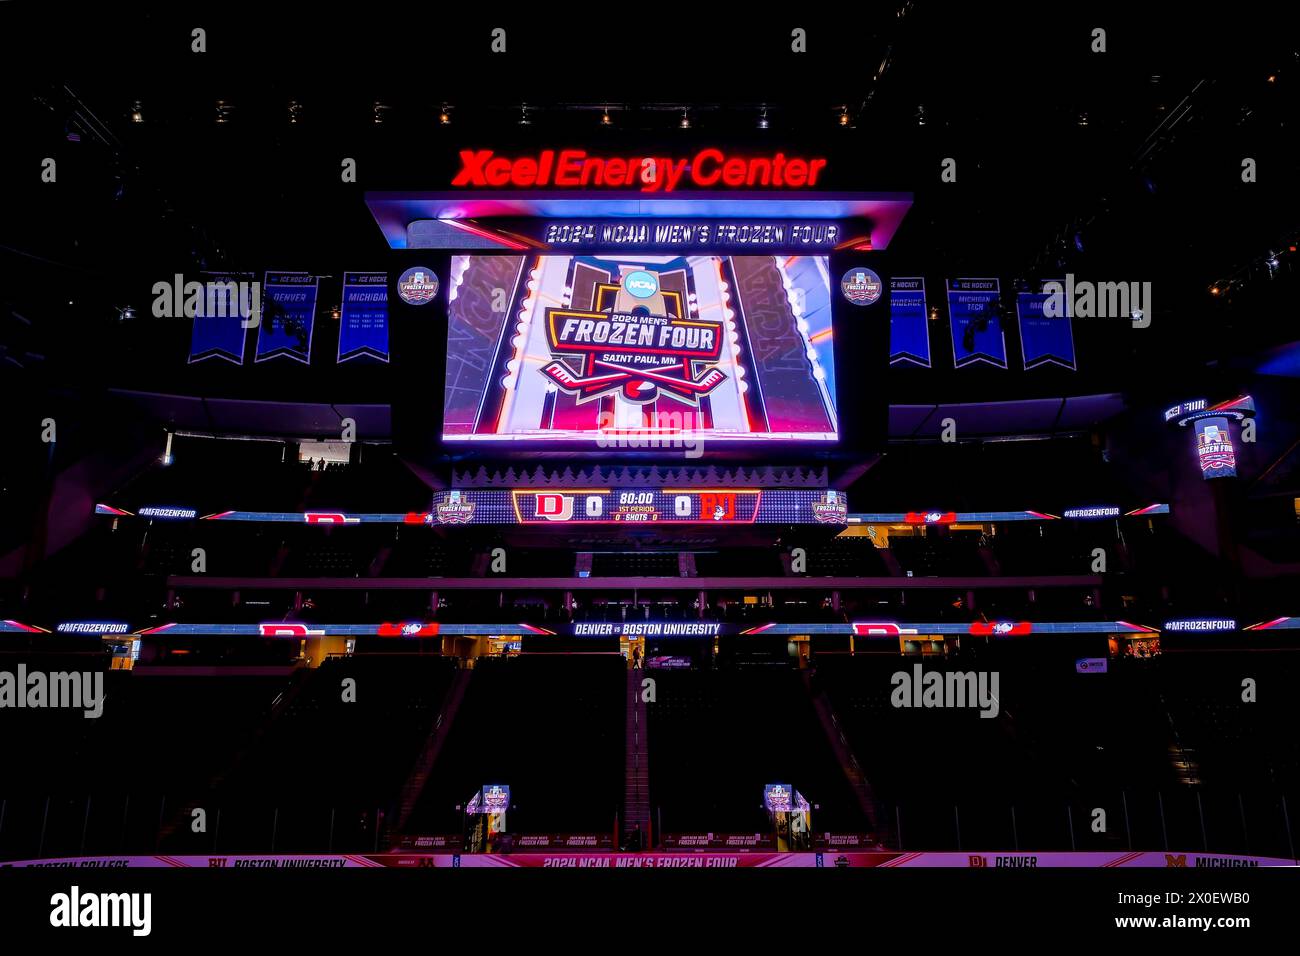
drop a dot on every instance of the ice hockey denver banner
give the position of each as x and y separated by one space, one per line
288 314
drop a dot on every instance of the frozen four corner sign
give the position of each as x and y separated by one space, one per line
417 285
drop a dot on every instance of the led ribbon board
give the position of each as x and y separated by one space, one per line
600 629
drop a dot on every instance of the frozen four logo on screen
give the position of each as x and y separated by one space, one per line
417 285
455 510
861 286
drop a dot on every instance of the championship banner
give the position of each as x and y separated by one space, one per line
909 329
618 350
363 318
225 304
288 315
975 318
1214 448
1045 340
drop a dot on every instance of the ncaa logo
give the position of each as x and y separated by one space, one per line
861 286
417 285
641 284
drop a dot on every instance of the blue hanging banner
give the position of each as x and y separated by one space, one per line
288 315
909 330
1044 339
975 317
363 319
223 302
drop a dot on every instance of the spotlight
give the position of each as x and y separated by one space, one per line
604 117
762 119
1214 289
1083 119
523 116
137 116
380 108
934 313
223 111
920 115
844 116
686 120
444 117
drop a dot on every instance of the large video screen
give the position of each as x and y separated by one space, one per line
627 350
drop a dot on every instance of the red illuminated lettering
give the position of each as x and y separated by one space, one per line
498 172
525 173
734 172
471 167
569 170
707 167
575 168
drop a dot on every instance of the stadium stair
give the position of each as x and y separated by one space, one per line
843 753
419 775
379 562
636 780
990 561
299 680
891 561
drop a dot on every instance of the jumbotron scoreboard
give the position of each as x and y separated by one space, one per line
632 506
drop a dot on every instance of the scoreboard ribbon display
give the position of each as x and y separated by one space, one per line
288 314
635 506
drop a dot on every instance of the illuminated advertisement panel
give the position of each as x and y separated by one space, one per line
615 349
1214 448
